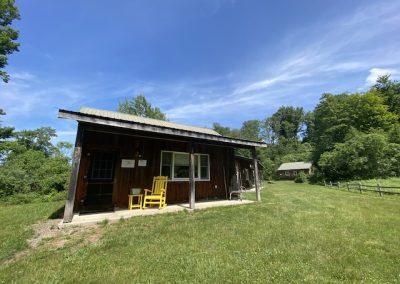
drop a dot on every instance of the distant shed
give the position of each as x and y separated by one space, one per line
292 170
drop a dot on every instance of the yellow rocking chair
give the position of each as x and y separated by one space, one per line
157 195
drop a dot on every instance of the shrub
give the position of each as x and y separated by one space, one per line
301 178
32 172
316 177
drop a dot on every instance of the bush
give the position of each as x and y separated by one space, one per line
301 178
33 172
316 177
33 197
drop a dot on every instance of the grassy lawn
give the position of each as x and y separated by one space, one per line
298 233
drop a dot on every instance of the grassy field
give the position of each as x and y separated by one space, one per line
298 233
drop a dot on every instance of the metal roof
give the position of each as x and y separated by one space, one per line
132 122
295 166
145 120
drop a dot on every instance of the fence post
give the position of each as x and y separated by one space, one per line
359 186
324 183
338 184
380 190
348 188
330 183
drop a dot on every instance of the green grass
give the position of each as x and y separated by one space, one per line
15 223
395 181
298 233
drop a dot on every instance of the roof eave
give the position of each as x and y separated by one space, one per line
90 118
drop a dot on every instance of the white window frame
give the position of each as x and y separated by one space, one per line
198 166
287 173
295 173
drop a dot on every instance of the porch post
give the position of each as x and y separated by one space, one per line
76 159
192 185
256 177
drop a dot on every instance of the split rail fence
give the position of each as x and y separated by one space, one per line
363 187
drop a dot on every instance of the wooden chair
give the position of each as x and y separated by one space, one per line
157 195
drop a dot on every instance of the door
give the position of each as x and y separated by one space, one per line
99 182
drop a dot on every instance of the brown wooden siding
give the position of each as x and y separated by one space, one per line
131 146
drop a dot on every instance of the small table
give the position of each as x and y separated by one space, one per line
139 203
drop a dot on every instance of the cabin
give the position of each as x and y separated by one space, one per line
245 172
115 152
292 170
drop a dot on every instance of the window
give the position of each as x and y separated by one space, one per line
175 165
295 173
102 166
287 173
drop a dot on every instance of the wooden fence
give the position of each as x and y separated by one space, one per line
363 187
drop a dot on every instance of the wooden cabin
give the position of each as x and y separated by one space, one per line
292 170
115 152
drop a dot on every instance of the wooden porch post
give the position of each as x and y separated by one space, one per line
256 177
192 185
76 159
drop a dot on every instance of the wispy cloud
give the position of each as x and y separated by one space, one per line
348 45
25 76
375 73
341 54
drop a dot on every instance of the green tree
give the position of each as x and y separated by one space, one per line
362 156
286 123
335 115
394 134
8 13
390 91
33 172
5 132
38 139
225 131
250 130
141 107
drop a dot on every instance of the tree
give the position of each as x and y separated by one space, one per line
250 130
390 91
38 139
141 107
362 156
286 123
5 132
225 131
8 35
335 115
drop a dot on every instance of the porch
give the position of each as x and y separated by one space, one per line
118 214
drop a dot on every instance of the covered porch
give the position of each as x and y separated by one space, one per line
118 214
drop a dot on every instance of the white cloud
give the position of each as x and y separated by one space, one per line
25 76
375 73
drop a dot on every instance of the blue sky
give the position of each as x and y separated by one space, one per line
199 61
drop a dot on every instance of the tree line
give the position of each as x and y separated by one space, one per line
347 136
31 166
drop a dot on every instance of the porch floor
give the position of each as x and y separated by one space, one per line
94 218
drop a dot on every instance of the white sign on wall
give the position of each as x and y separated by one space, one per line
127 163
142 163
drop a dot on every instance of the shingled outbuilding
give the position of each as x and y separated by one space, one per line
292 170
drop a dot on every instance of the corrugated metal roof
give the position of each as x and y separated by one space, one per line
295 166
145 120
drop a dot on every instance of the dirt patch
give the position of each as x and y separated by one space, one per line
50 236
48 233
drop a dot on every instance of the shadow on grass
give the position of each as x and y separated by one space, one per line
58 214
